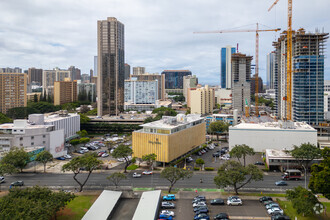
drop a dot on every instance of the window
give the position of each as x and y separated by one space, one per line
43 136
44 142
21 138
32 137
32 143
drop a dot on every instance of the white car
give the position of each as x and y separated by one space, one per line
136 175
224 157
275 210
121 159
2 179
67 156
167 212
234 201
199 204
84 149
147 172
105 155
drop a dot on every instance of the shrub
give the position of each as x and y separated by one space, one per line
209 168
132 167
197 168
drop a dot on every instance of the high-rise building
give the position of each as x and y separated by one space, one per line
253 85
174 79
226 74
50 76
241 78
87 90
201 100
34 75
270 70
75 73
307 77
11 70
189 82
111 67
12 91
65 91
141 92
85 78
138 70
127 71
152 77
95 66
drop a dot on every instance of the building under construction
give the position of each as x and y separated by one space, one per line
241 81
308 76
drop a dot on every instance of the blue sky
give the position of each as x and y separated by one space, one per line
158 33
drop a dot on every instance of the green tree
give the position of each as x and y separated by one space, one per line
234 174
302 200
35 98
4 119
164 111
240 151
200 162
123 151
188 111
16 157
320 179
306 153
21 112
84 119
116 177
87 162
82 133
173 174
149 158
33 203
44 157
6 169
74 143
84 140
92 112
218 127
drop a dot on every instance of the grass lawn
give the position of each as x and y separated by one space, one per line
132 167
77 208
291 212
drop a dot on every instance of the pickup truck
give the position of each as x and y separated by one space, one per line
136 175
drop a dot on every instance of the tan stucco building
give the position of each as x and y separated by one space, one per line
201 100
65 92
170 137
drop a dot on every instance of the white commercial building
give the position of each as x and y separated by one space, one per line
272 135
27 135
141 92
223 97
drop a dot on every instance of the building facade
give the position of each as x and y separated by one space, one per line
223 97
49 77
34 75
253 85
95 66
141 92
153 77
241 81
174 78
308 76
11 70
88 89
270 68
75 73
189 82
111 67
139 70
127 71
169 138
201 100
225 76
65 92
13 90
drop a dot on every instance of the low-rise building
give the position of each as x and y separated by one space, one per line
228 118
170 137
272 135
223 97
201 100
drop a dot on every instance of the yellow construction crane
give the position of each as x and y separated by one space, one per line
257 30
288 96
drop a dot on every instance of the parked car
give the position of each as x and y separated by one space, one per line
201 216
189 159
17 183
202 210
267 202
265 198
60 158
167 212
216 154
280 217
168 205
105 155
259 163
100 154
234 201
281 183
275 210
272 205
80 152
200 197
217 202
197 200
224 157
199 204
147 172
2 179
221 216
136 175
84 149
167 217
67 156
169 197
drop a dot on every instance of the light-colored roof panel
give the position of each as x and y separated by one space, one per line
103 206
148 206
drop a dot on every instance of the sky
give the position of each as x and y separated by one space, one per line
158 33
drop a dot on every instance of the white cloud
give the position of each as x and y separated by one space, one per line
158 34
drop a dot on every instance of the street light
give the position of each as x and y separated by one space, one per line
305 175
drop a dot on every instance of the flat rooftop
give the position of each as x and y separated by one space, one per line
28 126
300 126
56 117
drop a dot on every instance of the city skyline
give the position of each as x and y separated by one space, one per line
158 35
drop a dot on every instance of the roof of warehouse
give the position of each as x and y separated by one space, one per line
103 206
147 206
302 126
162 123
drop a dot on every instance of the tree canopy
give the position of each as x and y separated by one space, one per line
7 169
306 153
149 158
21 112
123 151
4 119
84 118
302 200
88 162
82 133
320 179
116 177
33 203
218 127
16 157
234 174
173 174
44 157
200 162
240 151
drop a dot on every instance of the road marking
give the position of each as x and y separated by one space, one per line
248 217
